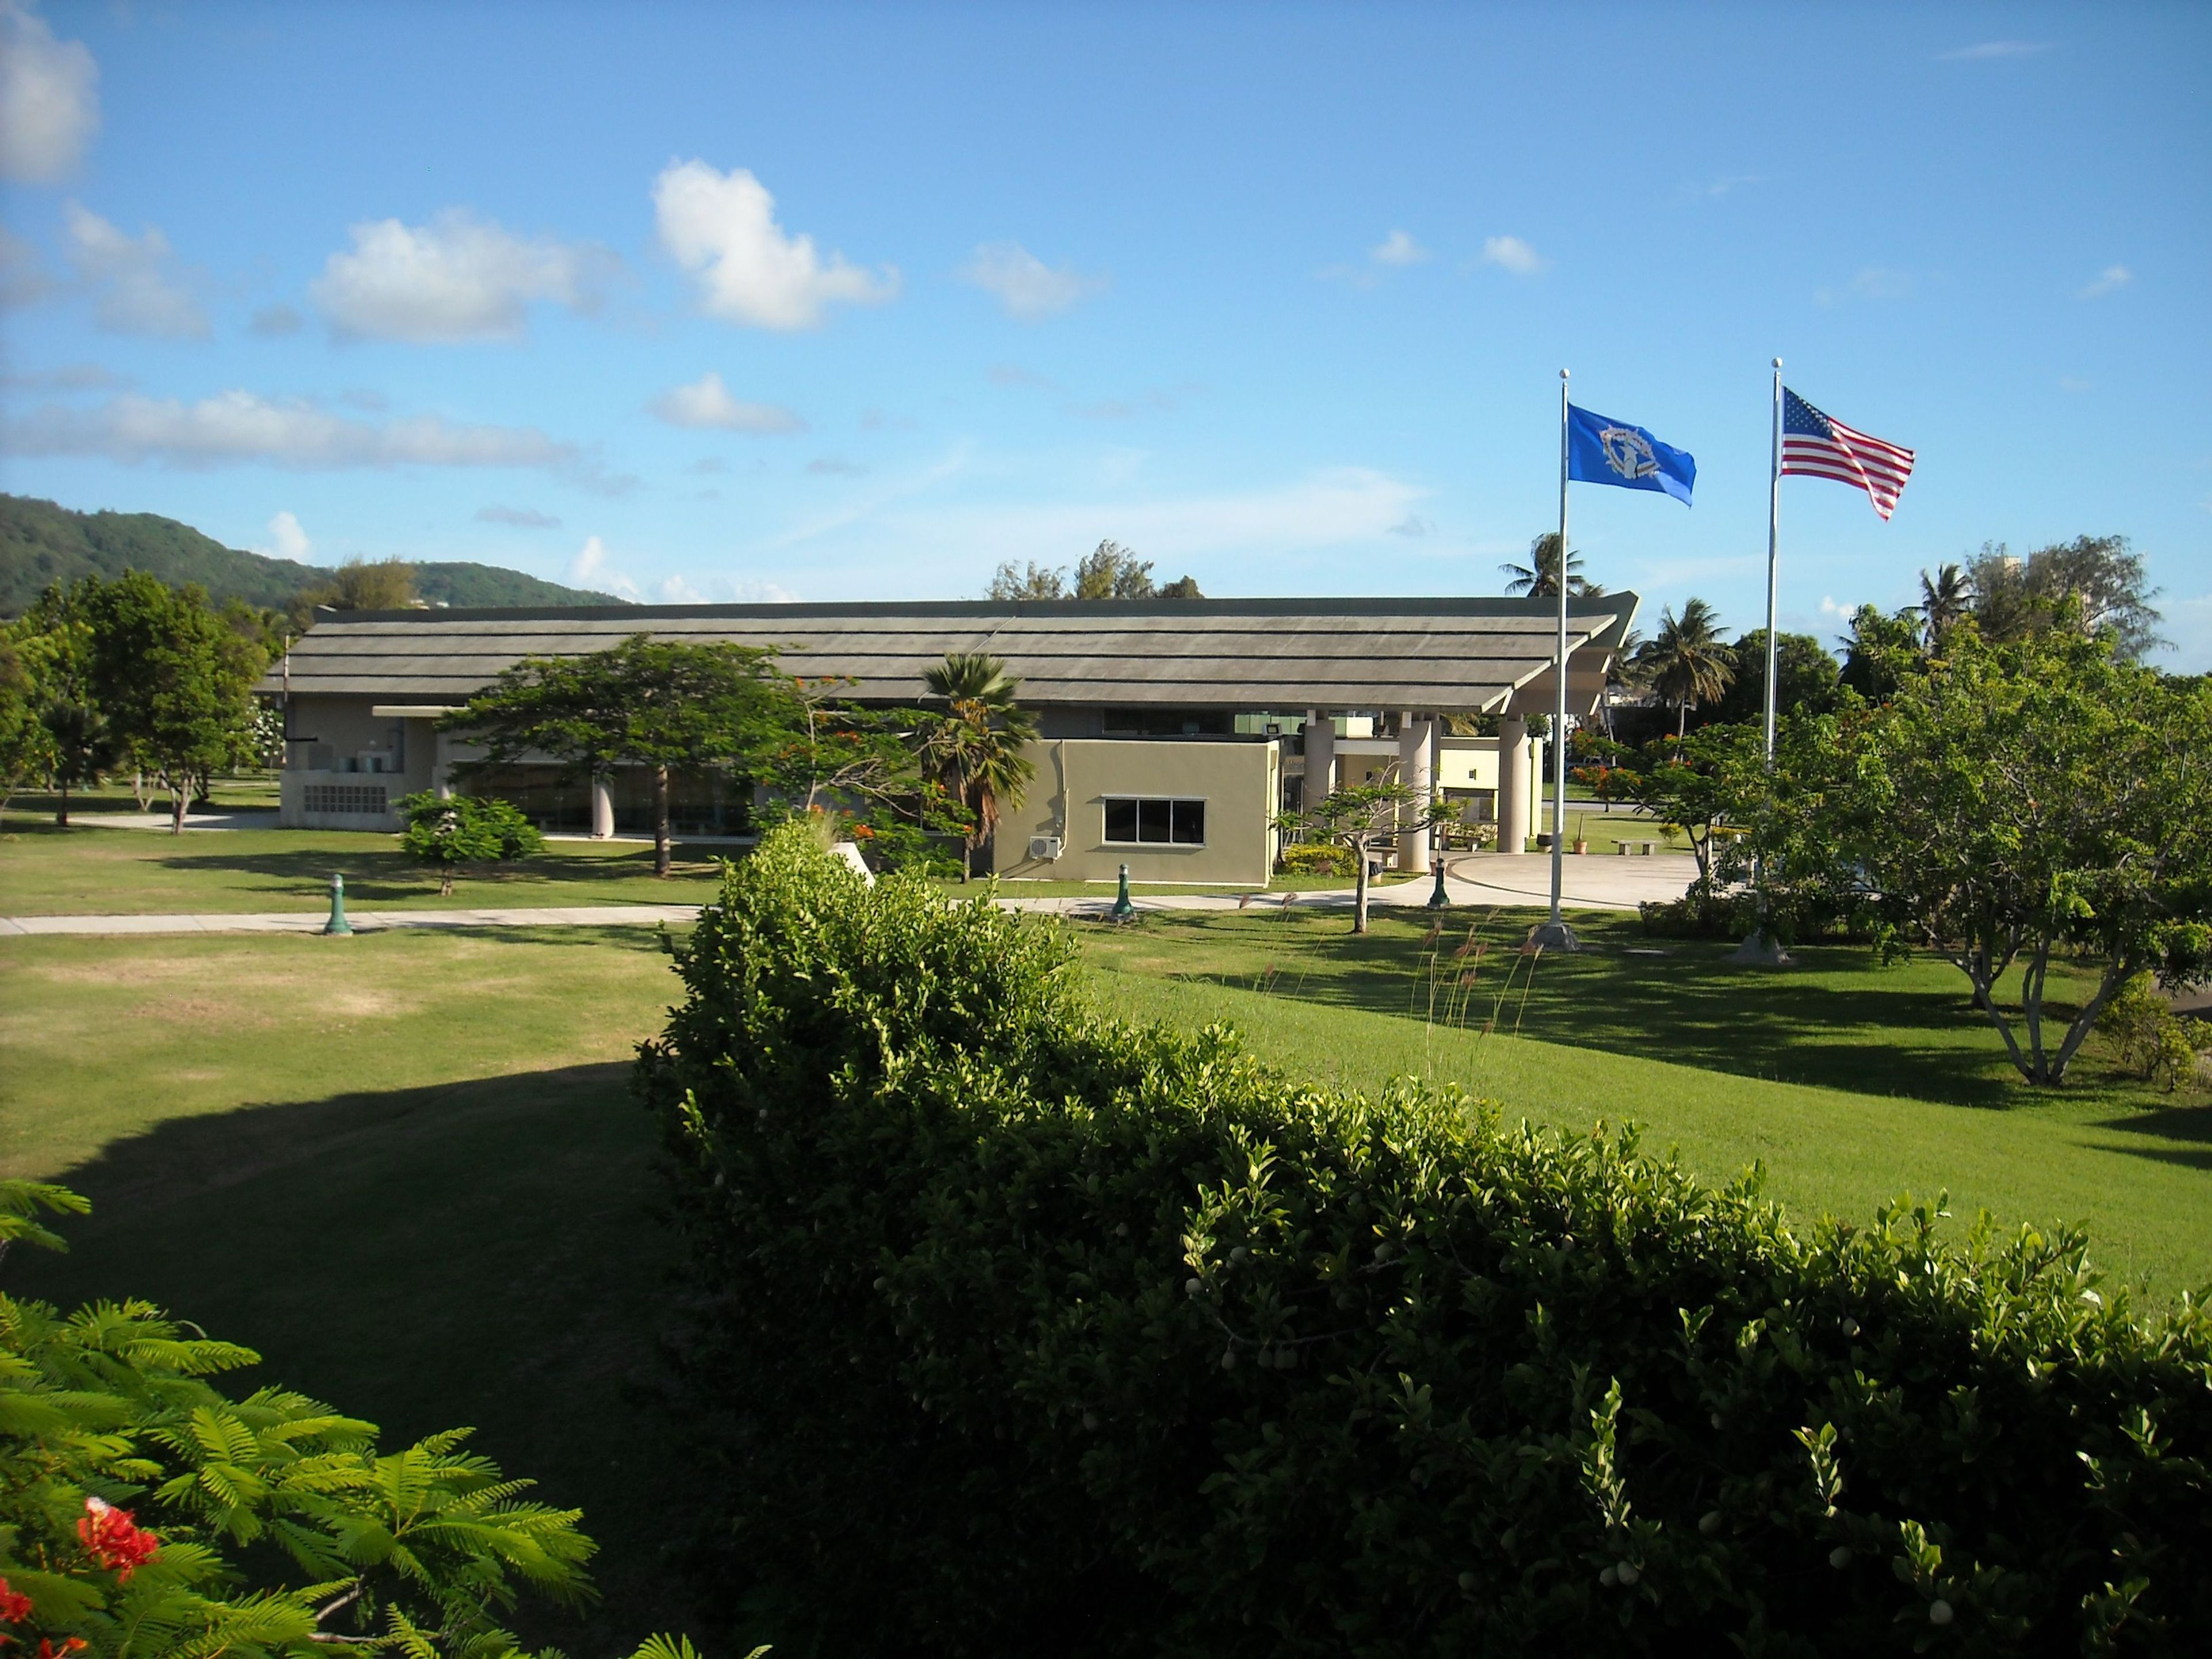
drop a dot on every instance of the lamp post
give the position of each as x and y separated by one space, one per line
1123 910
337 924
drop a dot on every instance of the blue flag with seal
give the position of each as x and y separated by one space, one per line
1600 451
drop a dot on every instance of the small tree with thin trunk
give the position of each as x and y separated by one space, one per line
674 706
974 748
1366 818
447 836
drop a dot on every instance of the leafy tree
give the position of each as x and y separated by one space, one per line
1807 679
359 585
1880 651
1036 582
974 750
1713 776
2023 804
1946 599
1366 818
2102 577
1108 571
22 738
1539 579
463 829
673 705
1685 661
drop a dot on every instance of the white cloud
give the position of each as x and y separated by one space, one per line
240 427
1398 249
522 517
1982 51
1027 286
589 557
675 590
1414 527
288 539
2110 280
133 291
70 377
1512 253
273 322
706 402
24 278
49 97
456 278
1830 607
721 228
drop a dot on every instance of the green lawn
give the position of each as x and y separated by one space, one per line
404 1166
1851 1083
89 871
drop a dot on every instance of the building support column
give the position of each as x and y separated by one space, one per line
442 768
1512 784
1321 756
1417 770
603 809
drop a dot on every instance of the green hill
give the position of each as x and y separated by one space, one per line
41 544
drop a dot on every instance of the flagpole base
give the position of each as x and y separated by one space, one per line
1761 950
1554 935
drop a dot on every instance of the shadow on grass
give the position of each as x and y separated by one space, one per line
2192 1125
1831 1023
482 1252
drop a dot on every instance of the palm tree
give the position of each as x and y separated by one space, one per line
1539 579
1622 673
1685 661
1945 601
975 750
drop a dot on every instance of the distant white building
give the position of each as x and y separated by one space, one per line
1172 731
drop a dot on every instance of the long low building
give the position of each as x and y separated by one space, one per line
1172 731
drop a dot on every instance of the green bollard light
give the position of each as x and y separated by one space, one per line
337 923
1437 900
1123 910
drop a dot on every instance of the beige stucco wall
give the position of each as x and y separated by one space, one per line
1236 780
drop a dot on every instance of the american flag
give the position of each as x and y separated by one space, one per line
1820 447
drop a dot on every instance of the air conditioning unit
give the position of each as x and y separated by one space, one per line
1045 848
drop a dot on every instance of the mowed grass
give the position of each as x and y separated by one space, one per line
1850 1084
405 1167
87 869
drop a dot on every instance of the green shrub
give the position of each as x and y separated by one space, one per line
1021 1330
447 833
1316 858
2150 1041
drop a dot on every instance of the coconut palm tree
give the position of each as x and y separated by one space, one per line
1946 600
1539 579
975 748
1622 673
1686 662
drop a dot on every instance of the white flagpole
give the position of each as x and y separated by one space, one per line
1773 544
1555 933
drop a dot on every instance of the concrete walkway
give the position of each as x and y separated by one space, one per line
1479 879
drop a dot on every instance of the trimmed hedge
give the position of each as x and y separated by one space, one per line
1016 1329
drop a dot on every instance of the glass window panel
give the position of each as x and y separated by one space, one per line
1121 820
1152 820
1190 822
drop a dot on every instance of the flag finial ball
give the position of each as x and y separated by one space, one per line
1777 362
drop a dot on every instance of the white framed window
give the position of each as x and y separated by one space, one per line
1154 820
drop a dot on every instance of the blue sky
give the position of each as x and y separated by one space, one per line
851 302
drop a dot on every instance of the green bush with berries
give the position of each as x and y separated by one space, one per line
1018 1329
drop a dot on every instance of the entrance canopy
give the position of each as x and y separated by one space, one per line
1442 655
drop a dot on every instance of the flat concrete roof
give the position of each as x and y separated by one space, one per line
1452 655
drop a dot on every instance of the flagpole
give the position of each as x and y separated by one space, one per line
1773 545
1555 933
1760 949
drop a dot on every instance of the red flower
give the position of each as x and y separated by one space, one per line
15 1605
112 1541
69 1644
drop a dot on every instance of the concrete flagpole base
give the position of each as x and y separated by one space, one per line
1554 935
1760 951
